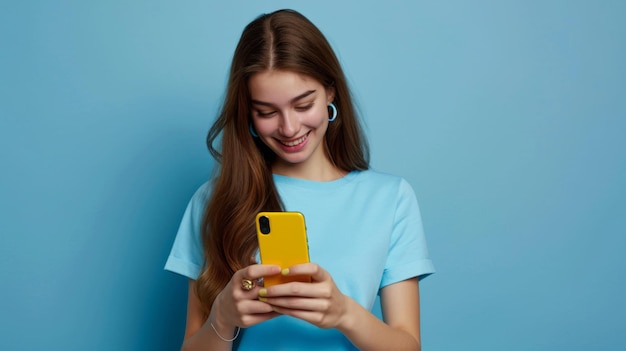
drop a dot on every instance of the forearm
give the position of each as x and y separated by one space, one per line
233 307
368 333
207 338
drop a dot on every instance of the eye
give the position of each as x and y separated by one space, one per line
265 113
304 108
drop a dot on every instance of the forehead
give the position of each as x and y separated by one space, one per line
278 87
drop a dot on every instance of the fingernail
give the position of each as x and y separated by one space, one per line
262 299
262 292
285 271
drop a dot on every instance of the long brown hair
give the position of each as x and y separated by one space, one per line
282 40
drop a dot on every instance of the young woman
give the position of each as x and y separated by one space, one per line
291 141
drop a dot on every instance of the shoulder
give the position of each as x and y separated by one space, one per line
377 179
202 194
393 190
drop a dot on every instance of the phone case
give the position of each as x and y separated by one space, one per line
283 242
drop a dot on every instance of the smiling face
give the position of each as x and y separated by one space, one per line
290 116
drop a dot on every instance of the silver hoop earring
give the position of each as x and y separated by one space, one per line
252 132
334 117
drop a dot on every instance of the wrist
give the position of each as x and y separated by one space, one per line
225 338
218 321
223 330
350 316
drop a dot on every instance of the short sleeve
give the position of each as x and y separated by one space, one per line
408 254
187 257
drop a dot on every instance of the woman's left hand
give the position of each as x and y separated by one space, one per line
319 302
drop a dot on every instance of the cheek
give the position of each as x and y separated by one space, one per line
317 116
263 126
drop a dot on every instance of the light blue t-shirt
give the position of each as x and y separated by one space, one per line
365 229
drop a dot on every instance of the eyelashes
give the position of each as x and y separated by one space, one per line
265 114
303 108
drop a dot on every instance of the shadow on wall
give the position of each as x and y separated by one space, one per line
134 227
151 218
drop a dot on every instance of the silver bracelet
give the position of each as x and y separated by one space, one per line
224 339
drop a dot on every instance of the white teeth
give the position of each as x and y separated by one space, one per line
295 142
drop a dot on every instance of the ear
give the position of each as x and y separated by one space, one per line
330 94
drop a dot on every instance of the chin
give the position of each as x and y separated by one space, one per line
293 160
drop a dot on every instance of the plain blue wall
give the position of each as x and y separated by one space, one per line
508 118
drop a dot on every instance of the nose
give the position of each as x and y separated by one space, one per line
289 124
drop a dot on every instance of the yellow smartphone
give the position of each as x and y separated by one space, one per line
283 242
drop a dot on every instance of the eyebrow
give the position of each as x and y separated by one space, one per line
295 99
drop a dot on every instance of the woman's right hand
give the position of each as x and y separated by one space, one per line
238 307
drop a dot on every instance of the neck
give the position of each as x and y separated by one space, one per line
316 171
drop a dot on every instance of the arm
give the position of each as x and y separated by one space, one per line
401 329
322 304
233 307
198 333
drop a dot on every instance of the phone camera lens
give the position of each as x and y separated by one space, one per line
264 224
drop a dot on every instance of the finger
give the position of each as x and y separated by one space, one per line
297 289
247 280
297 303
313 270
248 307
312 317
256 271
250 320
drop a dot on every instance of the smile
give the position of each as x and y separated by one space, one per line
295 142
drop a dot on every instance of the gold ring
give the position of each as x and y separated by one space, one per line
247 284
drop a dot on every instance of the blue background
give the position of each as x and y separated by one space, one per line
507 117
